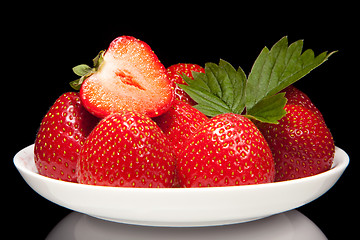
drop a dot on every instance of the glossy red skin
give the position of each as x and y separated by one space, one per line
131 77
61 135
175 71
301 144
228 150
180 122
126 150
296 97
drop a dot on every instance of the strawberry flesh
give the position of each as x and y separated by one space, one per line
130 77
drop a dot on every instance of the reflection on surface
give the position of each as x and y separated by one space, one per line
289 225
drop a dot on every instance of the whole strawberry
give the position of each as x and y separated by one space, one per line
180 122
175 71
296 97
228 150
301 143
60 137
126 149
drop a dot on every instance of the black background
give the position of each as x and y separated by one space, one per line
42 44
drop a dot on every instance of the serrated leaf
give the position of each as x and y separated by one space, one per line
211 80
220 90
208 110
269 109
235 97
206 100
201 81
278 68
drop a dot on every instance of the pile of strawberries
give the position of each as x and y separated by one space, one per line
135 123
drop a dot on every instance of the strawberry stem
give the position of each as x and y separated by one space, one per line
84 71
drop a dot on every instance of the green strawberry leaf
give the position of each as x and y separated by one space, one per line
270 109
84 71
76 84
278 68
220 90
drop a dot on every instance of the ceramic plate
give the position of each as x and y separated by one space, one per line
181 206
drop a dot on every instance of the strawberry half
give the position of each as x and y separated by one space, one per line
60 137
126 149
228 150
175 71
301 143
128 76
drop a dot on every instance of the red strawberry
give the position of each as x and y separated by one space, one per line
179 122
301 144
128 76
126 150
296 97
227 150
175 72
62 133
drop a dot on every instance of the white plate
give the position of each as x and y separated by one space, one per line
179 206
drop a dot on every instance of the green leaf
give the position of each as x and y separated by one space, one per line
278 68
84 71
206 100
99 59
269 109
81 69
220 90
76 84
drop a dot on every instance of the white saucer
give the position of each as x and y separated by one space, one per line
179 207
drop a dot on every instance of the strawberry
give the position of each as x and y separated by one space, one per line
296 97
179 122
301 143
128 76
126 149
60 137
227 150
175 71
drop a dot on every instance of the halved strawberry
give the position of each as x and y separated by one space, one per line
61 135
128 76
